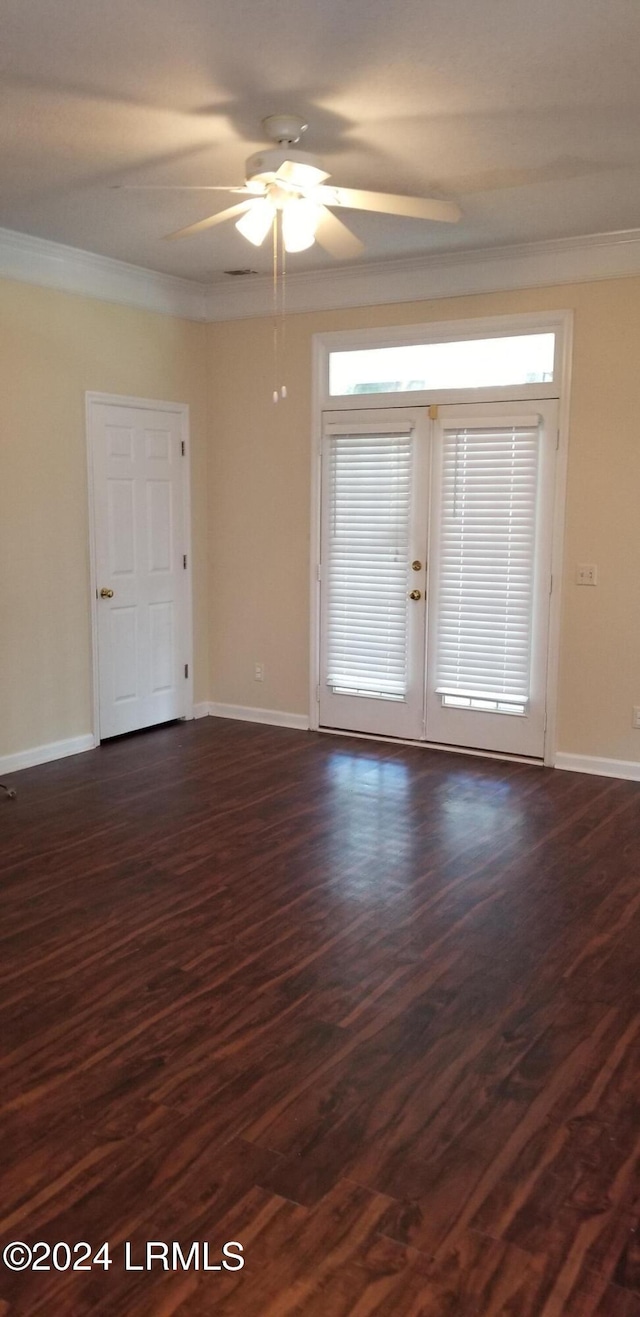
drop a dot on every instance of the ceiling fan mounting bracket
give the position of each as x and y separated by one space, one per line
285 129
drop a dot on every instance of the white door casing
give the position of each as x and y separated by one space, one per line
556 389
138 488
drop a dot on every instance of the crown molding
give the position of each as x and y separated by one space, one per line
451 274
71 270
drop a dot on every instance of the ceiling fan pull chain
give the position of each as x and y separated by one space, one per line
276 394
283 317
280 390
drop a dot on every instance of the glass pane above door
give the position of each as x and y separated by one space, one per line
466 364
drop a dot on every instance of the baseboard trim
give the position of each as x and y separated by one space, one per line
273 717
44 754
202 710
629 769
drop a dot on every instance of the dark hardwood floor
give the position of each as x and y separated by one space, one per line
371 1011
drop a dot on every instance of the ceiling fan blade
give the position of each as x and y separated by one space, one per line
387 203
211 220
175 187
335 237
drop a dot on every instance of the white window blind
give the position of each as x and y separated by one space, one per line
487 548
369 491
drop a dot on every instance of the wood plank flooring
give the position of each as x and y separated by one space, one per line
372 1011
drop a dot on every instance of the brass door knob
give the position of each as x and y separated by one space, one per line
106 594
415 594
416 565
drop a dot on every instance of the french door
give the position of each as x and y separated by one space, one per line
436 572
375 491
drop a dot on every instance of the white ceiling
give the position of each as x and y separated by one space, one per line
527 113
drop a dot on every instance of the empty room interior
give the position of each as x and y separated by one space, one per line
320 659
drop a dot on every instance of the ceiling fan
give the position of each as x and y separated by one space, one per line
288 187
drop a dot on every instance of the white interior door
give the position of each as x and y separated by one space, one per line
372 573
490 575
139 482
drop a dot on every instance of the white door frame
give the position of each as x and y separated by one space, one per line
562 323
180 409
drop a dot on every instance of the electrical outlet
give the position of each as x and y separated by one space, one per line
258 672
586 573
635 721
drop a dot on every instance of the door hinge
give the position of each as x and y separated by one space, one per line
551 584
184 561
557 440
433 411
186 669
183 448
319 572
317 694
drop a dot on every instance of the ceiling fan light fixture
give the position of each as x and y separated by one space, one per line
299 223
257 221
298 168
302 174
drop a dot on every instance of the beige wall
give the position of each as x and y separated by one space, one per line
53 347
259 506
251 520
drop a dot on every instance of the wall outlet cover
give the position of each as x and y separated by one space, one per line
586 573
